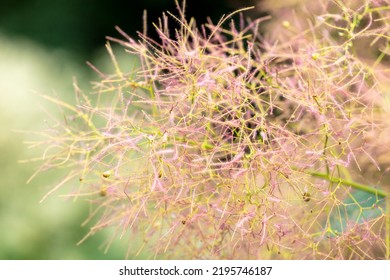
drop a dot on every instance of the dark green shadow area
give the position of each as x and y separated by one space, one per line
360 207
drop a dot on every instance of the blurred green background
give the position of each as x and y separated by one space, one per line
43 45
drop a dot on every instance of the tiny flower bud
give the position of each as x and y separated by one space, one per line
286 24
315 56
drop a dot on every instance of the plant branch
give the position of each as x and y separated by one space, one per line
352 184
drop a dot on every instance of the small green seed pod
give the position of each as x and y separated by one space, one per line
306 196
103 191
106 174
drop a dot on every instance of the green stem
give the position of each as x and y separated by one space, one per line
354 185
325 146
388 228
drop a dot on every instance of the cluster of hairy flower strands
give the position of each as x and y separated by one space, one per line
224 145
348 41
358 31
